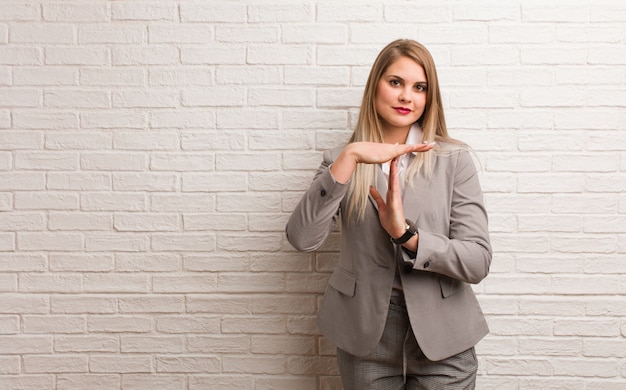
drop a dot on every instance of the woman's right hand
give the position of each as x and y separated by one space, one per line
370 153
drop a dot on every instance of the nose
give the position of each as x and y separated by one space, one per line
405 96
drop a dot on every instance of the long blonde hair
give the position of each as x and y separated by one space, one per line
368 127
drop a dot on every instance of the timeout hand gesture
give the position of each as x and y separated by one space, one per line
390 210
370 153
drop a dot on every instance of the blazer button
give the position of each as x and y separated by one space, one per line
427 264
323 192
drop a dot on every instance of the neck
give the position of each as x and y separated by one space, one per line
396 135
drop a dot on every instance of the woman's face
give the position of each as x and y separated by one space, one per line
401 95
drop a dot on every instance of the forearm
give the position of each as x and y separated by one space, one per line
344 166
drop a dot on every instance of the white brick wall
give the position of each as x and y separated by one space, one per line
151 152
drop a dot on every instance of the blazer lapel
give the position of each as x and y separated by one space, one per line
381 186
414 197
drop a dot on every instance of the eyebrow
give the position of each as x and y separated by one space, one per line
398 77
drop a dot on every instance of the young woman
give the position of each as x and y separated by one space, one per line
414 236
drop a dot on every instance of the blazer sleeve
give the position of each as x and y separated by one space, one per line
317 213
465 254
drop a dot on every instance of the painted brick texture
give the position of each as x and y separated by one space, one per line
151 152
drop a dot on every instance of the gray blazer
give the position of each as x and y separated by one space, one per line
453 251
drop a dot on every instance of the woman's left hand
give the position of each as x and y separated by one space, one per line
390 211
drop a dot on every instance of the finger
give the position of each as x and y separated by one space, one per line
377 197
423 147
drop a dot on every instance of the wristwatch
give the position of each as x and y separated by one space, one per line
411 230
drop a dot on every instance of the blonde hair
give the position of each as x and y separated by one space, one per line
368 126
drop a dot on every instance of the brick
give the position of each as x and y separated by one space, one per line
333 98
155 140
46 201
48 161
22 222
272 13
555 13
236 202
212 12
73 304
152 304
22 97
80 12
112 202
519 366
143 99
216 182
9 365
143 10
129 262
77 99
218 344
50 75
38 364
9 325
91 381
77 56
15 345
152 344
318 75
219 96
153 380
43 34
275 54
121 242
254 364
113 120
280 97
50 282
184 284
20 303
328 12
240 34
213 55
21 56
291 345
497 12
315 33
144 182
185 34
79 181
145 222
119 324
213 141
52 324
180 76
63 262
214 262
116 283
242 282
119 161
41 120
214 222
179 202
247 75
119 364
181 162
126 76
188 364
132 55
183 242
102 34
477 55
182 119
195 324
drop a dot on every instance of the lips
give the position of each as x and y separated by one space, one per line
402 110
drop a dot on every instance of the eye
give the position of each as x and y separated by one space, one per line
420 87
394 82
